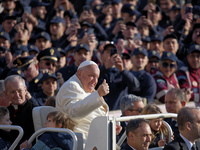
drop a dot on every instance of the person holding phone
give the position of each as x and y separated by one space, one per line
117 77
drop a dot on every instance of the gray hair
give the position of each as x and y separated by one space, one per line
127 102
179 94
13 78
1 87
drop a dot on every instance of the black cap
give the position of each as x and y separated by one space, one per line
153 53
36 3
175 7
131 24
196 25
172 36
11 16
140 50
47 76
194 48
16 71
130 9
82 46
49 54
23 62
110 44
86 23
169 55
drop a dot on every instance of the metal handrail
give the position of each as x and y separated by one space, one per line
149 116
38 132
127 118
19 137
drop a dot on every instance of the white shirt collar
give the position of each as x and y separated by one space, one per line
188 143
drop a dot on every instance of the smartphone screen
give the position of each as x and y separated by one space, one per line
113 51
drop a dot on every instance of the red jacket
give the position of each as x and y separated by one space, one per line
164 84
189 78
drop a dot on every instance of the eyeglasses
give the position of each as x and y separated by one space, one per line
139 110
165 65
48 64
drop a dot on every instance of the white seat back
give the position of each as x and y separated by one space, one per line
40 115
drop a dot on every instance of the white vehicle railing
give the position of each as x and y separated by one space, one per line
40 131
127 118
103 130
19 137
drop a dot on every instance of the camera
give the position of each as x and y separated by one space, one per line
188 10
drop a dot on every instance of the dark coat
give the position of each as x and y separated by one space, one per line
56 140
5 140
179 144
22 117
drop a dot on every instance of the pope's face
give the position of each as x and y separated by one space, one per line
89 77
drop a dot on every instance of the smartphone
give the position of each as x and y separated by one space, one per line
27 9
121 20
90 31
137 36
188 10
87 8
144 13
113 51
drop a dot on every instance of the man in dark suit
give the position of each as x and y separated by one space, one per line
175 99
189 127
138 135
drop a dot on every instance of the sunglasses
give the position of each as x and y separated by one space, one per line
48 64
165 65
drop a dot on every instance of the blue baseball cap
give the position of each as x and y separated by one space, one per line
82 46
86 23
116 1
19 49
44 35
32 47
61 50
36 3
16 71
11 16
153 53
194 48
5 35
140 50
68 48
130 9
157 37
47 76
23 62
110 44
175 7
145 38
97 8
169 56
57 19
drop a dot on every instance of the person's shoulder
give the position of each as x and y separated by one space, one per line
175 144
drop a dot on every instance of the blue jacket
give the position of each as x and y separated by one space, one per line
5 140
54 140
147 87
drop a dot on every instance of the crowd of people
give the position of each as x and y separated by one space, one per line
89 57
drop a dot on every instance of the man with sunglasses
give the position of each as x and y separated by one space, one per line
189 76
165 77
130 105
48 59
